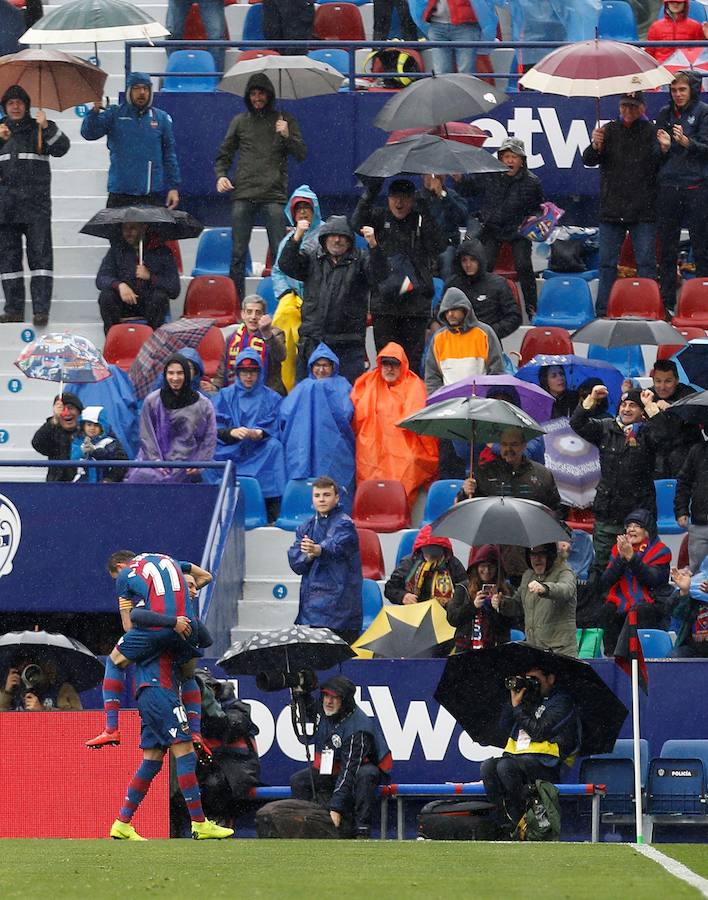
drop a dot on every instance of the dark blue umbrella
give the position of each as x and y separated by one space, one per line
577 369
692 362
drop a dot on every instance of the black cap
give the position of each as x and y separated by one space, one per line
70 399
634 98
634 396
401 186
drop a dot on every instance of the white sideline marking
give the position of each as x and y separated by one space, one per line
673 867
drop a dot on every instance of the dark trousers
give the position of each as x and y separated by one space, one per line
408 332
674 207
116 200
649 615
40 259
243 218
521 251
612 235
383 13
604 538
153 306
358 808
352 358
288 20
505 779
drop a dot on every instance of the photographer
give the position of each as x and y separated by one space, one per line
351 760
544 729
32 687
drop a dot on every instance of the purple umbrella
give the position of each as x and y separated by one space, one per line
534 401
574 462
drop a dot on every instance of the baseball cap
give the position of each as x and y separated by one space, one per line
634 98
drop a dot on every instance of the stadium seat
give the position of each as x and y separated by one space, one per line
441 496
656 644
212 297
253 24
629 360
516 634
565 302
692 308
381 505
586 275
682 562
616 771
296 505
617 21
504 263
405 545
338 22
686 748
676 788
665 492
123 342
635 297
438 286
211 349
197 61
581 551
337 58
213 252
589 639
255 515
173 247
690 332
256 54
371 602
581 519
264 289
548 340
372 561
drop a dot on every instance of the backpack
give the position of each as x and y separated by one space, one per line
542 819
457 820
295 819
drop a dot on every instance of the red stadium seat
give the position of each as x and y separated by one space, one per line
211 349
372 561
514 288
123 342
548 339
338 22
504 264
635 297
256 54
690 332
381 506
692 309
173 247
212 297
268 267
682 562
581 519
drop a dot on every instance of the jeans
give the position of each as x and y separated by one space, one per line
383 13
674 205
213 19
445 59
612 236
243 216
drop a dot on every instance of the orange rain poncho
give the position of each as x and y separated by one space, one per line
382 450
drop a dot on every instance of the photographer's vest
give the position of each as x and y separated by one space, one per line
520 742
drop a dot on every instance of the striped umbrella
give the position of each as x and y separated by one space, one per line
93 21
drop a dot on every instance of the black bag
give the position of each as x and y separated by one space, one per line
567 256
295 819
457 820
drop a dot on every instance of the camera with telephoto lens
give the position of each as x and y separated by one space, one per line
517 683
31 677
274 680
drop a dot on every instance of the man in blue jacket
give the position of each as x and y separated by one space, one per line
325 553
141 143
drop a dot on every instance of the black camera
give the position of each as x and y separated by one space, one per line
32 676
275 680
517 683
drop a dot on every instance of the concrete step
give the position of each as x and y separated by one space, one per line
264 590
79 260
67 233
77 206
17 435
80 182
267 615
82 155
267 554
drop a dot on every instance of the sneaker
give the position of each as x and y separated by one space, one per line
104 739
6 318
124 831
203 831
40 320
202 748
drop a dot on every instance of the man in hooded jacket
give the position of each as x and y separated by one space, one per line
264 137
26 143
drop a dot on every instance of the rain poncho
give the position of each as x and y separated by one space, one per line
102 447
289 318
551 20
117 396
315 425
283 283
382 449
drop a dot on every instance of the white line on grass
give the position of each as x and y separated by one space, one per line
673 867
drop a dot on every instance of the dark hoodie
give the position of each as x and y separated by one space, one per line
685 166
505 200
262 167
54 442
490 295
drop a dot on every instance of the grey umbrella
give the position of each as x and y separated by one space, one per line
423 153
168 224
628 330
292 77
500 520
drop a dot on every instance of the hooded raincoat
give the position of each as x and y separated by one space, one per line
103 447
673 27
283 283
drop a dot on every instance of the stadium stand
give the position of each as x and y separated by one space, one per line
372 560
123 343
381 506
565 302
212 297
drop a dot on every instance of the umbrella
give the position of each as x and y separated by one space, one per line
692 361
64 358
168 224
168 339
574 462
289 650
441 98
693 408
472 689
53 79
687 58
628 330
415 631
500 520
534 401
76 663
452 131
427 153
293 77
92 21
577 369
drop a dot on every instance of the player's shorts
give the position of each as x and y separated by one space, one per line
163 718
140 644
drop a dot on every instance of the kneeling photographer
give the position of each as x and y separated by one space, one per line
543 727
351 760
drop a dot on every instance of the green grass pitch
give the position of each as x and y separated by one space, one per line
365 870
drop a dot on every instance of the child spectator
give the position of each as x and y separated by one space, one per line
477 624
95 440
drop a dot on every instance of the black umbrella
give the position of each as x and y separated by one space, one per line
693 360
168 224
628 330
441 98
693 408
423 153
472 690
287 650
75 663
500 520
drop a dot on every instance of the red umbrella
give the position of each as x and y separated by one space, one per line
453 131
53 79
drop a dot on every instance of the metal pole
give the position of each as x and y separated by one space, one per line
637 752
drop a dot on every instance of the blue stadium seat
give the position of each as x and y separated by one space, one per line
438 285
253 24
371 601
565 302
581 554
676 787
337 58
255 515
198 61
405 545
616 771
656 644
296 505
264 289
688 748
214 253
665 492
441 496
629 360
587 275
517 635
617 21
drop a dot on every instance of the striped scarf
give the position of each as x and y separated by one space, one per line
628 591
242 340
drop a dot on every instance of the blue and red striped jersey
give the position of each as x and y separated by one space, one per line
154 581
